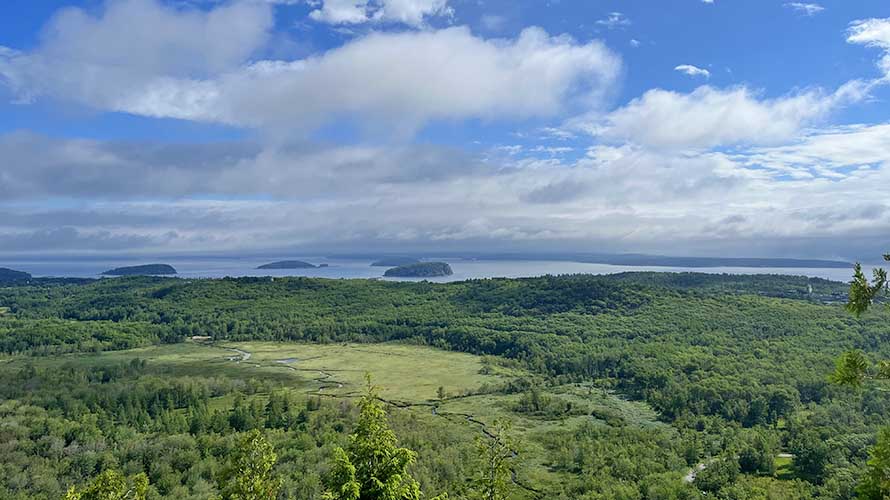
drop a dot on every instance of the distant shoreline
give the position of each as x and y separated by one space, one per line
642 260
464 267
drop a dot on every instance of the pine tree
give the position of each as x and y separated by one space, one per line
372 467
862 292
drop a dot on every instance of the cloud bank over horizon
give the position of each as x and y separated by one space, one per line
398 124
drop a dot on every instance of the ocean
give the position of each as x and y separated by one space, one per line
362 269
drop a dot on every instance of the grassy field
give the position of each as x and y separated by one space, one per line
784 469
406 374
409 377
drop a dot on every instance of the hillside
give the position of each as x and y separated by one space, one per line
8 276
613 383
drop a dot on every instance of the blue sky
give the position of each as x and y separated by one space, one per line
682 127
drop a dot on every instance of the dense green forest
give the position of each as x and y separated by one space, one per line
420 270
735 368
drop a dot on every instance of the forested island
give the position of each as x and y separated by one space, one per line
12 276
394 261
143 270
420 270
289 264
632 386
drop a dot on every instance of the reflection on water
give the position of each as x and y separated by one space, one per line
343 268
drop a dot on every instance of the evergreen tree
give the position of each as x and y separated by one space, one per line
372 467
852 368
862 292
275 412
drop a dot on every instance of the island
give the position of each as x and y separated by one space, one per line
288 264
13 276
420 270
143 270
395 262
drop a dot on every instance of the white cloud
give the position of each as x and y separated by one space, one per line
831 150
398 81
654 178
691 70
83 58
631 196
342 12
614 20
413 12
410 12
710 117
807 9
159 39
873 33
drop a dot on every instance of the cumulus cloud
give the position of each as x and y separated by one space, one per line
723 165
342 12
405 79
409 12
691 70
710 117
84 57
398 81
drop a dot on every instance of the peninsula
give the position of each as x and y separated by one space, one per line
12 276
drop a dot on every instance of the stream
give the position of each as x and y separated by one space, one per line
325 379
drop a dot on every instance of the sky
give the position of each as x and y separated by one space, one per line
752 128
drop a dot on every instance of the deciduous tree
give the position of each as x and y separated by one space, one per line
493 479
111 485
248 475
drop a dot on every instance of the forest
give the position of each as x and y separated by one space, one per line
629 386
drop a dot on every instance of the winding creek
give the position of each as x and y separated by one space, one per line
327 382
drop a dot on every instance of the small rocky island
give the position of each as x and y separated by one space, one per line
289 264
395 262
420 270
13 276
143 270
